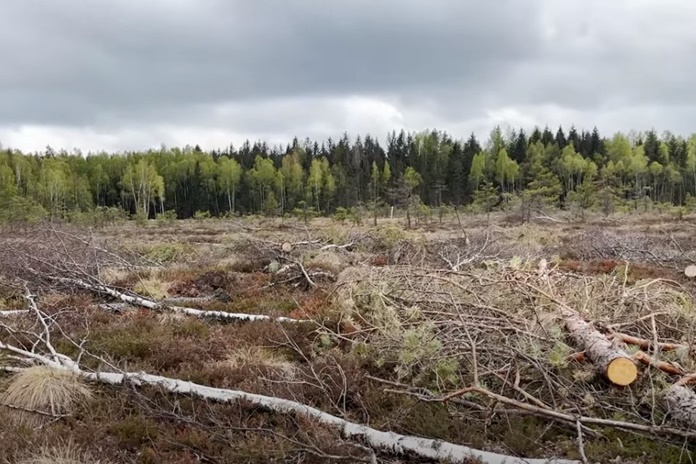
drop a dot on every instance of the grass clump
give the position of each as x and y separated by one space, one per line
64 453
257 356
45 390
152 288
169 252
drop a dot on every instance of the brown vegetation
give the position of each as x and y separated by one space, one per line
503 339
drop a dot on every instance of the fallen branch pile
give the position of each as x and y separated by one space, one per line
541 341
42 352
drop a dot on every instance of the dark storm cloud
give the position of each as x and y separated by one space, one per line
82 62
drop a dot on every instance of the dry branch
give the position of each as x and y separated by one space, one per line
664 366
140 301
379 440
565 417
647 344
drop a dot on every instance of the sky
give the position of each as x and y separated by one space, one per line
134 74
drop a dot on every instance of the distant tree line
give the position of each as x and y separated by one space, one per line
412 171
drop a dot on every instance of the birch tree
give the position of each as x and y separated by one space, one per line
144 186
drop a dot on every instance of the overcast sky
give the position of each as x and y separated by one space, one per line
132 74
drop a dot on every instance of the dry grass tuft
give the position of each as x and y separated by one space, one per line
111 275
65 453
257 356
151 288
44 390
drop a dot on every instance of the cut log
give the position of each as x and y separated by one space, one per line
681 403
286 247
615 364
690 271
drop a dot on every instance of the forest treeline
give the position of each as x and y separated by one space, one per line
421 171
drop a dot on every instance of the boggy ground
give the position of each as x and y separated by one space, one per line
393 315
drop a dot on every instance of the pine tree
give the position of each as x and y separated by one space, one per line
485 198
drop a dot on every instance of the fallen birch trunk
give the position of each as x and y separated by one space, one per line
387 441
140 301
615 364
14 313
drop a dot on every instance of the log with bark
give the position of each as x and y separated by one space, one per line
681 404
614 363
610 360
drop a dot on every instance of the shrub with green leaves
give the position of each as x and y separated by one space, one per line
169 252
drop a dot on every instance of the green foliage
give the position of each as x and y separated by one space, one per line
304 212
387 237
16 210
166 218
429 168
201 215
340 215
270 205
143 185
485 198
690 203
356 214
169 252
583 198
542 192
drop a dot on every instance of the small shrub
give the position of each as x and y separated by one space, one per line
134 431
166 218
125 343
140 219
201 215
356 215
387 237
46 390
340 215
168 252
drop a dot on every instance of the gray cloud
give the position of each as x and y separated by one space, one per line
274 68
117 57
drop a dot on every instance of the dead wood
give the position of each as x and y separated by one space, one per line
45 354
647 344
614 363
145 303
681 403
666 367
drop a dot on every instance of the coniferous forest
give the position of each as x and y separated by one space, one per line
426 170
